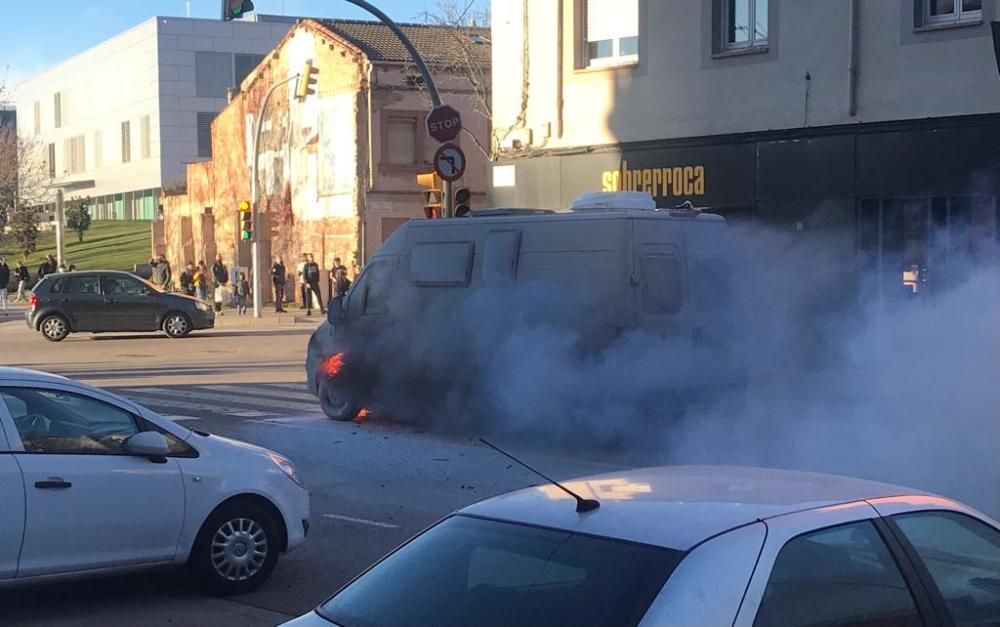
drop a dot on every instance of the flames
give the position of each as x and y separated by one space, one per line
332 365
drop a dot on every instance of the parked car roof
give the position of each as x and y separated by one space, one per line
680 506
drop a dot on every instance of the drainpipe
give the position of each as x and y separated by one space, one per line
852 63
560 40
363 222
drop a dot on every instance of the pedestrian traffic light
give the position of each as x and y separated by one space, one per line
307 81
234 9
433 194
463 198
246 221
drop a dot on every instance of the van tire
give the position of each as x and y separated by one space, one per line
337 402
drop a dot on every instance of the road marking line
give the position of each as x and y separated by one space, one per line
361 521
246 398
249 414
182 418
263 391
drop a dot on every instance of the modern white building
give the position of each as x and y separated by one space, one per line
131 112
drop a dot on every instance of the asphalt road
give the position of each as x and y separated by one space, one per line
373 484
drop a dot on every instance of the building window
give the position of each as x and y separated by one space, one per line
950 11
38 118
74 154
98 149
145 139
126 142
611 32
243 65
52 161
400 140
57 109
744 24
205 134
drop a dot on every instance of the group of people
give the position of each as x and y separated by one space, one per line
197 280
22 276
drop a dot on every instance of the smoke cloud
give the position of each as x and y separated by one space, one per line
900 389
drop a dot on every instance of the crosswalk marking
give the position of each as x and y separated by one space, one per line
182 418
258 391
245 398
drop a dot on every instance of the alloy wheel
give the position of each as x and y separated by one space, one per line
54 327
176 326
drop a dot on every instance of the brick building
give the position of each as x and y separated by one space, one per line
338 169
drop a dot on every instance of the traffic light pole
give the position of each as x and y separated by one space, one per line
258 295
447 203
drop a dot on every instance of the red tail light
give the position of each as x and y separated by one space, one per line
34 301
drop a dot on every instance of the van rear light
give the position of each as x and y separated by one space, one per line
34 301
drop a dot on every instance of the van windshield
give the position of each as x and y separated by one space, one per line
473 571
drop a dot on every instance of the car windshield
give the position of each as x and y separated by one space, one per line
473 571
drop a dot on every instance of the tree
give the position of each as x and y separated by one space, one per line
78 216
24 167
469 59
24 229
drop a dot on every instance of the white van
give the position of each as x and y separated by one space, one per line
611 264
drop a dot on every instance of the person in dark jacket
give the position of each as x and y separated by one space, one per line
278 279
23 275
4 282
163 275
311 273
187 279
220 275
48 266
339 278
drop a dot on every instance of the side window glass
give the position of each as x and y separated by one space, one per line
662 292
49 421
120 286
57 285
963 557
441 264
500 252
377 288
838 576
82 285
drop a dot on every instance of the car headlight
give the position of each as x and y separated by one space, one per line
286 466
202 306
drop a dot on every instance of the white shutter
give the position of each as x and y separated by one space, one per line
612 19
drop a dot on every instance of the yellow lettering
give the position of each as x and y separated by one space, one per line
699 180
657 181
647 179
666 182
606 182
678 174
688 181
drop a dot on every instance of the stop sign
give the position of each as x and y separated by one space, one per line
444 123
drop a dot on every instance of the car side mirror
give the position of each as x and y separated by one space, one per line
336 312
148 444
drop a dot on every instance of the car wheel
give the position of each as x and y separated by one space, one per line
176 325
236 550
54 328
337 402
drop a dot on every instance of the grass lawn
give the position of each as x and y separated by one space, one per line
107 245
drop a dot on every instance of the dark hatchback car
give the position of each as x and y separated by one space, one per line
107 301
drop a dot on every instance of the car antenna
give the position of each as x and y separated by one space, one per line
582 505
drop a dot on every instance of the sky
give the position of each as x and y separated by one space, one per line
36 35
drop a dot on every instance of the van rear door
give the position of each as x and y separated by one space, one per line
658 271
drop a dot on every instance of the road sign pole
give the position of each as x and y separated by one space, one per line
448 202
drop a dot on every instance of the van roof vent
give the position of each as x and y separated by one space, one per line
611 201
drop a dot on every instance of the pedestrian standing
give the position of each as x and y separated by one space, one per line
48 266
4 282
303 284
187 279
242 291
163 275
311 272
340 281
23 276
201 281
220 276
62 268
278 279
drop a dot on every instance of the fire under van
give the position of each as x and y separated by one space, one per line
438 294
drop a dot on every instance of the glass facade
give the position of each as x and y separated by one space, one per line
138 205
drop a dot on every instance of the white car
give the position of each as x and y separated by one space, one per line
689 546
92 483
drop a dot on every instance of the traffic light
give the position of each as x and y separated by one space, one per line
433 195
307 81
234 9
246 221
463 198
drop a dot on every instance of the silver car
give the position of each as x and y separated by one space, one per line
689 546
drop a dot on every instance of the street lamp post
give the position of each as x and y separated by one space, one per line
258 296
447 202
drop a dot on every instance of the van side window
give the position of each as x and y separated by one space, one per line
441 264
500 252
376 288
662 292
711 283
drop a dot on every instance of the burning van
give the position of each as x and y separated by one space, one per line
438 303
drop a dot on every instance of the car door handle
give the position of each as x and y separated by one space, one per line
110 301
53 484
